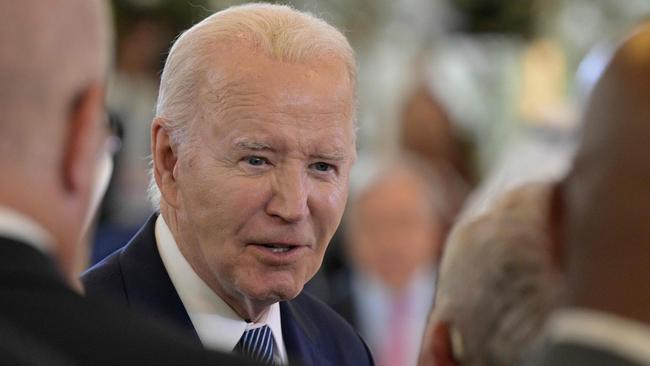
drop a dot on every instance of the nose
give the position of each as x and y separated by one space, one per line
290 193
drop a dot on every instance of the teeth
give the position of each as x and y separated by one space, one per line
278 248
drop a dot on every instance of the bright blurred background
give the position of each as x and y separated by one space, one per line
487 92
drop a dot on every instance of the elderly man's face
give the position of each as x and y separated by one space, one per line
261 195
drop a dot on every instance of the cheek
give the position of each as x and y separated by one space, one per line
206 204
331 202
218 192
326 212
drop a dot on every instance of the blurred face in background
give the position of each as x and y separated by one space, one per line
394 229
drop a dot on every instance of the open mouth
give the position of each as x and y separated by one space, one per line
278 248
279 254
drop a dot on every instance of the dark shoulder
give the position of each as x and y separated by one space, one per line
105 279
152 343
333 333
572 353
90 331
18 347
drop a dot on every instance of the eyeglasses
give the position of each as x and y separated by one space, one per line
113 142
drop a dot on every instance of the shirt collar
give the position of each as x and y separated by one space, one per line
15 225
217 324
625 337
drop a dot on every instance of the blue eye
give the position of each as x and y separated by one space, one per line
322 167
255 160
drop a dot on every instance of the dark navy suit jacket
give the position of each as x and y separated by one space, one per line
135 275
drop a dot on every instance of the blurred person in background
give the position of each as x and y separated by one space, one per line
499 280
603 223
393 236
143 35
252 146
143 39
426 137
426 129
54 164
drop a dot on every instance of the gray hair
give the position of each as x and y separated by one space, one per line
497 280
279 31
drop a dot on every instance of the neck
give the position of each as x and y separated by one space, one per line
614 282
608 238
37 200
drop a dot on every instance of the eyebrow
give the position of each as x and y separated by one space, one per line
335 156
252 145
245 144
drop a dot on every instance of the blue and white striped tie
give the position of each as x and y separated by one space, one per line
258 344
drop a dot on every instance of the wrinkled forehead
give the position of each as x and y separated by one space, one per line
238 76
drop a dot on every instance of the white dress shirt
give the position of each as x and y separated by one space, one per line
624 337
17 226
217 325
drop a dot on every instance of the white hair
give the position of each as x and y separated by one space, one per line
497 281
279 31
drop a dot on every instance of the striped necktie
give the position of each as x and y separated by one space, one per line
258 344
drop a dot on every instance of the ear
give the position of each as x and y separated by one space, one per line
444 350
83 139
555 224
165 162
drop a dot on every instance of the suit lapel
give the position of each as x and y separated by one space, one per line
147 284
300 334
149 288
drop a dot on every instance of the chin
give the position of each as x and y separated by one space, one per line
284 294
273 292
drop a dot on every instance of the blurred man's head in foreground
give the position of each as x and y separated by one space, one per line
53 65
498 281
606 197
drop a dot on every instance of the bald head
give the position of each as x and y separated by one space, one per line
607 194
50 52
53 65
